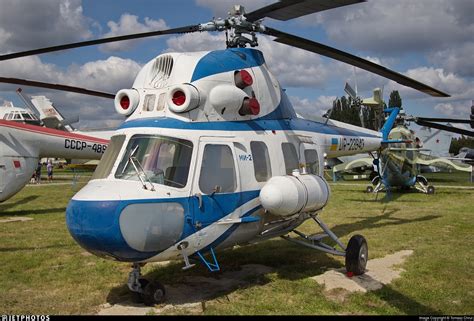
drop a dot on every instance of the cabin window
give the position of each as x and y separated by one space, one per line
312 161
110 156
17 117
149 103
161 102
164 160
10 116
290 156
217 170
261 161
5 116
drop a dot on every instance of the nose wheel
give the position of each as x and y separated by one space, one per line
150 292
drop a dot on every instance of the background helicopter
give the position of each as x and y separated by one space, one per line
398 165
182 177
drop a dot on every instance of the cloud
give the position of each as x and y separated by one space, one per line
34 22
129 24
456 109
457 59
394 27
307 108
196 42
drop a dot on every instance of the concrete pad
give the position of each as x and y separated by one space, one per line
190 296
16 219
378 273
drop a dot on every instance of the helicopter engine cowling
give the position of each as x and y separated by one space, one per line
126 101
288 195
183 98
227 96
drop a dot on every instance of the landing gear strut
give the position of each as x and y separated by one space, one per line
421 184
150 292
356 253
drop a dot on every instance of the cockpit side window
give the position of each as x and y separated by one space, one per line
110 156
26 116
164 160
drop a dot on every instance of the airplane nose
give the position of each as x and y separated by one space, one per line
124 230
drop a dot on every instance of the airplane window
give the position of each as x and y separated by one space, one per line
149 103
261 161
110 156
27 116
165 160
217 170
312 161
291 157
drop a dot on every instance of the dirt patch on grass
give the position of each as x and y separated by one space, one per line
16 219
190 296
378 273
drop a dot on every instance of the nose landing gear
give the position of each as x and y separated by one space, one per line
150 292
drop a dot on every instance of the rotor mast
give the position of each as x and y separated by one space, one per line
238 25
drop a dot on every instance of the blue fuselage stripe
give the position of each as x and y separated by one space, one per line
250 125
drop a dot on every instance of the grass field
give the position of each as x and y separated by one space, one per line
43 271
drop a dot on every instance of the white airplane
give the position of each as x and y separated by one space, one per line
23 142
213 155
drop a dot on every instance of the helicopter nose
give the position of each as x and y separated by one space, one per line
95 226
125 230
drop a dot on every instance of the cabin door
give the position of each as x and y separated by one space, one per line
216 186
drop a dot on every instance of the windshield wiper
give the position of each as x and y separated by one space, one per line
139 169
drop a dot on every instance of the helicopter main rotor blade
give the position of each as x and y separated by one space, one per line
444 120
445 128
186 29
289 9
350 59
40 84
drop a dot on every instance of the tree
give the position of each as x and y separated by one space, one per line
395 99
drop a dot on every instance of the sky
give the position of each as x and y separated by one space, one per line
429 40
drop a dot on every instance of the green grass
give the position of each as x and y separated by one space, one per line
43 271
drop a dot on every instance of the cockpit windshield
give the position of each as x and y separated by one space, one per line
165 160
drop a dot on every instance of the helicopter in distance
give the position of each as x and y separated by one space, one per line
213 154
399 164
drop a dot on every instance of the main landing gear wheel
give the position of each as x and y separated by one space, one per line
357 254
430 189
153 293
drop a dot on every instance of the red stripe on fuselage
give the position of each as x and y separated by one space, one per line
50 131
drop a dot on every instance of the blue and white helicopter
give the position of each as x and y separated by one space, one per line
213 155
